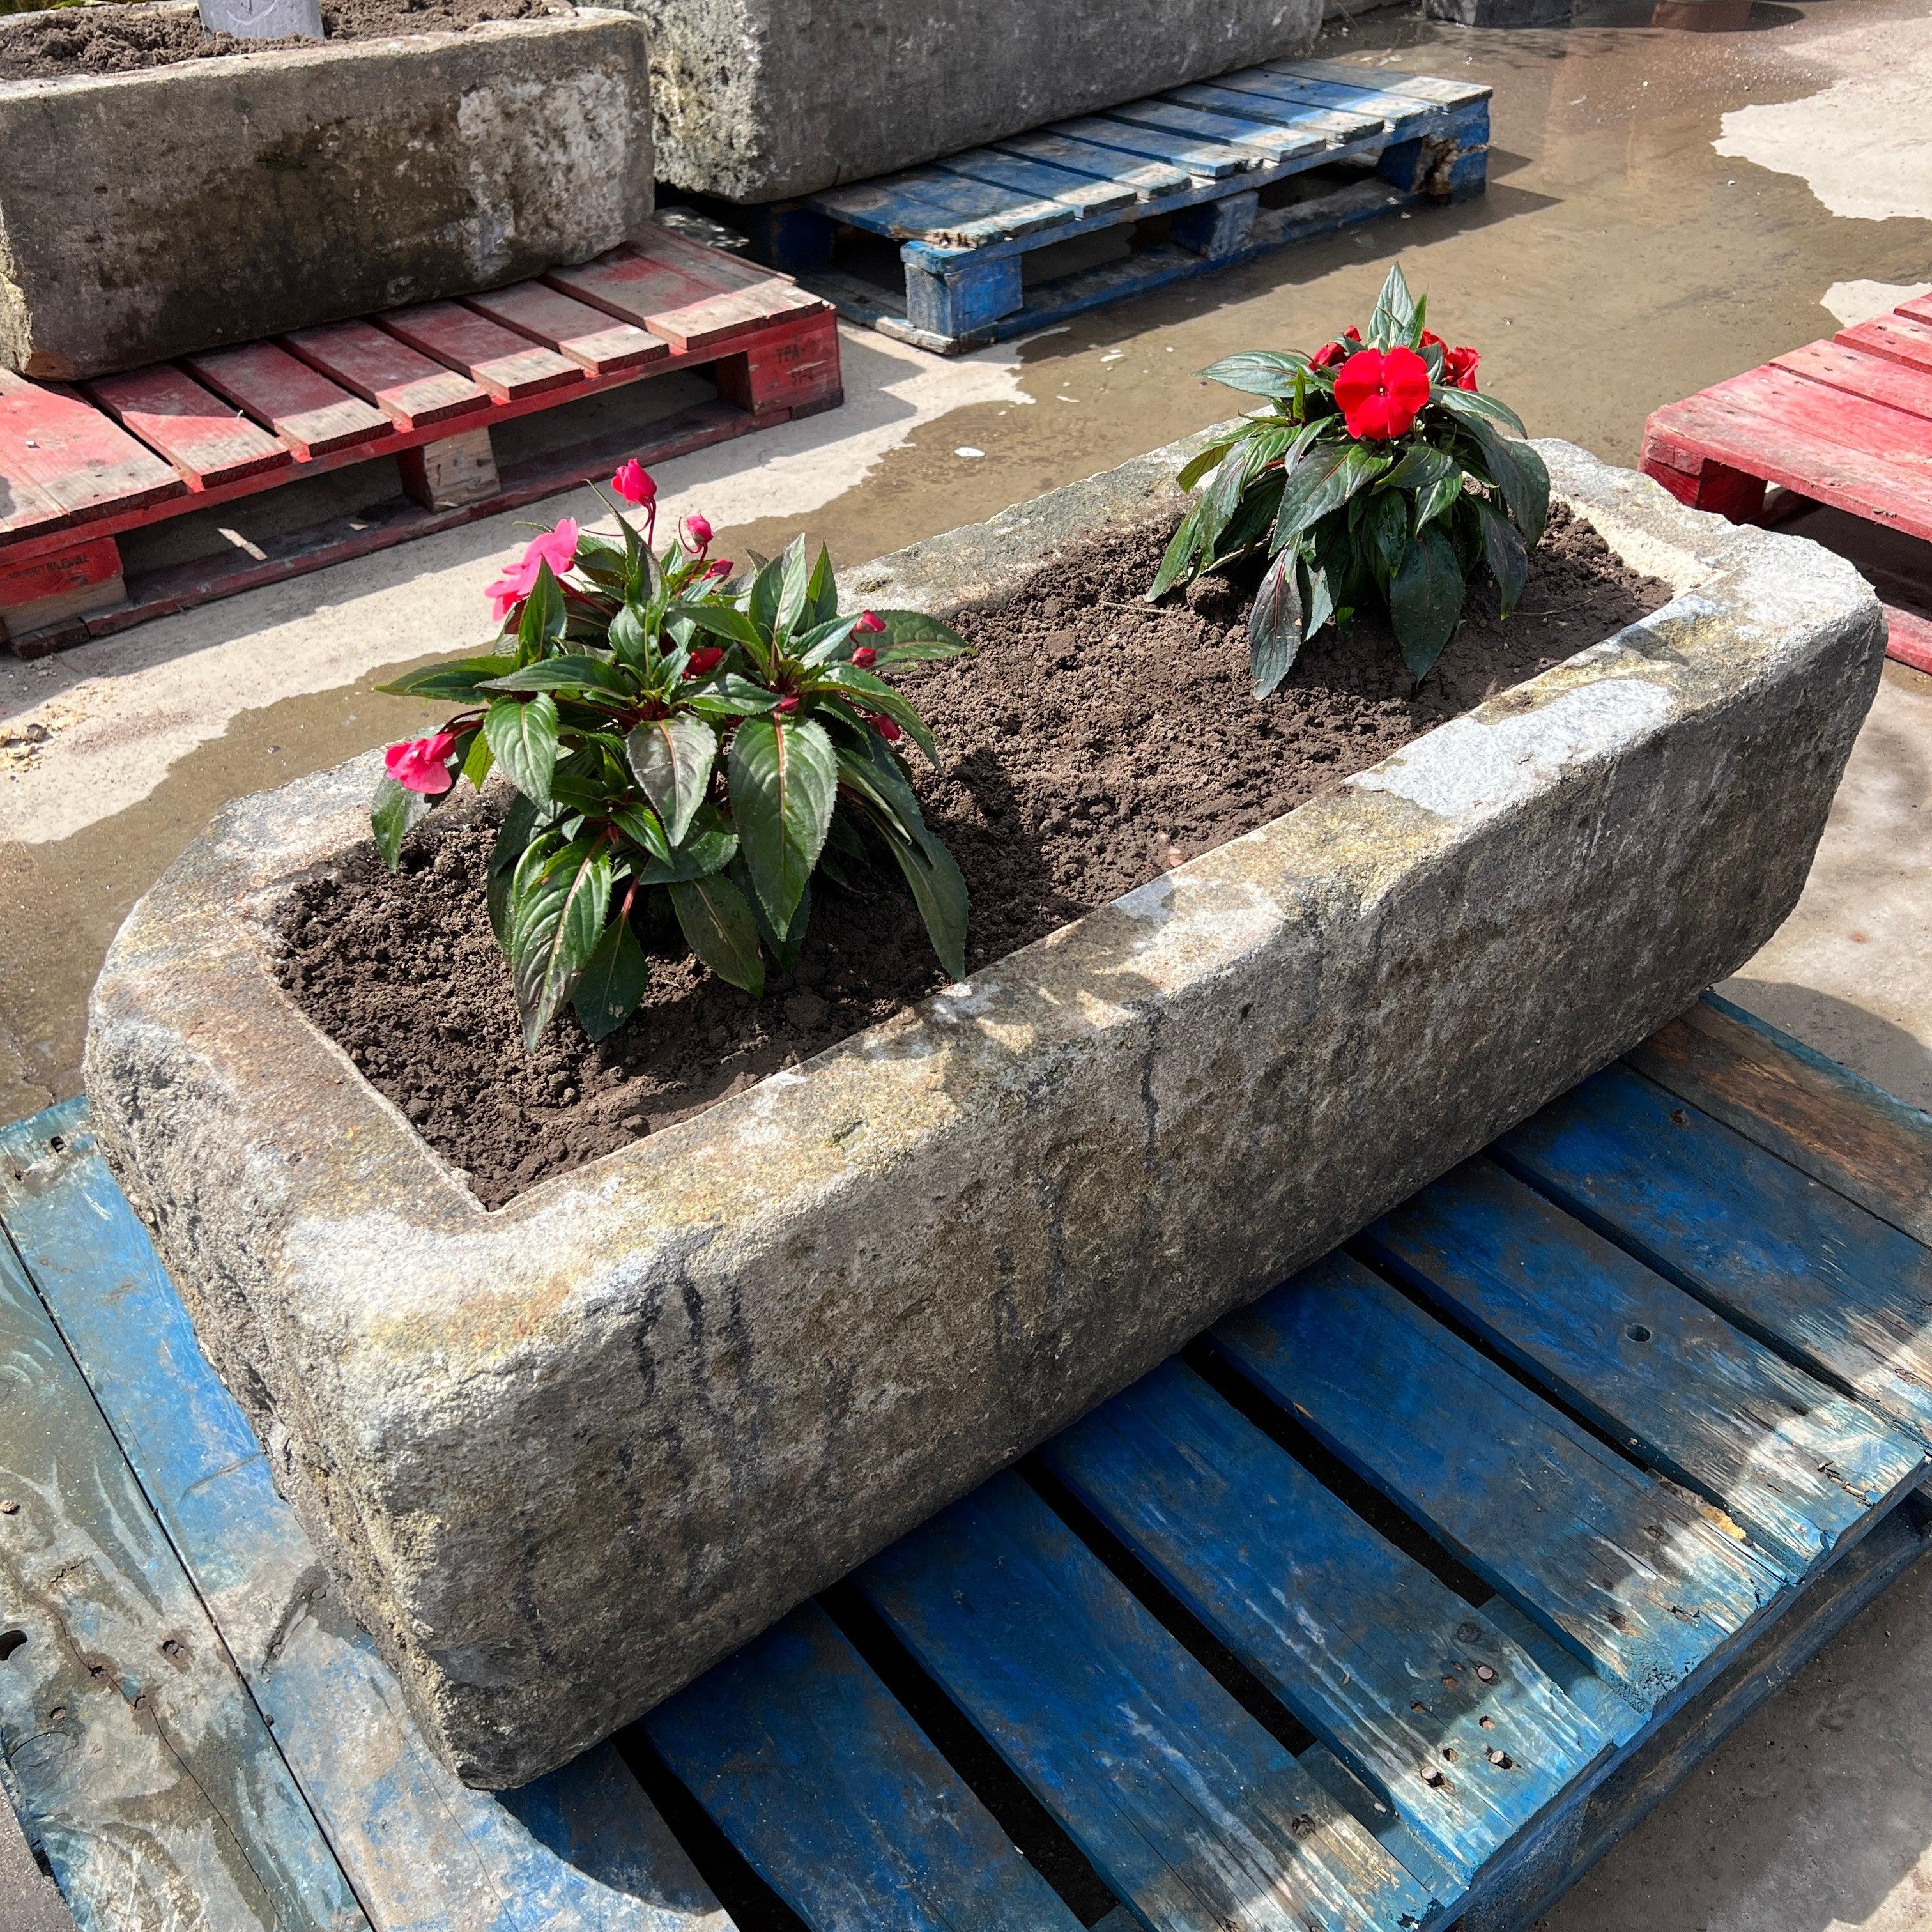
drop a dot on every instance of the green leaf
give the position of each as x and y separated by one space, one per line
1426 601
1419 467
783 777
906 628
879 696
513 836
558 905
784 950
454 683
709 846
672 757
522 734
1182 549
564 673
1319 604
721 620
792 586
718 927
1520 473
615 979
824 642
1396 319
763 604
1385 524
1474 408
394 813
1503 549
821 590
545 616
640 824
1198 465
1274 624
630 639
939 891
1324 479
728 696
1439 498
1261 372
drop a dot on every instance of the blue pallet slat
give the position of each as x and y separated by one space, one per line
1623 1568
1151 181
1821 1118
1188 1809
1083 194
1804 1269
1422 87
1214 161
424 1851
1326 124
946 210
1394 110
829 1788
1803 1470
1391 1669
1272 143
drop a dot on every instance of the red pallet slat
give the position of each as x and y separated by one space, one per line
597 343
206 438
1898 338
1919 309
1908 638
692 310
409 389
510 366
1857 373
308 412
58 450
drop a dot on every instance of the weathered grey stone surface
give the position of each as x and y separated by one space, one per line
757 99
568 1453
145 215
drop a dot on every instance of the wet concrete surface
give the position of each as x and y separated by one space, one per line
1666 209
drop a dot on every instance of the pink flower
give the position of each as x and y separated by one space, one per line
697 535
556 547
704 661
633 482
422 764
871 622
865 657
721 566
886 728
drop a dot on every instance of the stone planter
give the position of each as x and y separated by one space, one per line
758 99
568 1453
218 201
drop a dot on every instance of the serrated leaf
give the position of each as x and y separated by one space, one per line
879 696
718 927
630 639
1177 560
522 734
783 778
1426 601
1274 624
939 891
557 911
615 978
545 616
709 846
394 813
1473 407
1324 479
1395 319
792 584
572 672
1198 465
640 824
453 683
721 620
1419 467
821 590
1261 372
1503 550
906 628
729 696
1520 474
762 604
672 757
1385 524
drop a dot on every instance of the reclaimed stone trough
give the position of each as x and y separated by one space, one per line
218 201
567 1453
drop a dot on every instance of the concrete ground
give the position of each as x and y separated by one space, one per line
1666 208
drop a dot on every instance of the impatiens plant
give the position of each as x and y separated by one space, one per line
1379 479
687 748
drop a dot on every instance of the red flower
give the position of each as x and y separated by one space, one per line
721 566
1381 393
1334 352
704 661
422 764
556 547
865 656
633 482
1459 365
786 705
697 535
886 727
870 621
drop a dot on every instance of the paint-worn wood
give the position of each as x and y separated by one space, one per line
208 441
820 1779
1334 127
145 1770
1149 180
1039 180
1857 372
597 343
1414 86
1265 138
584 1851
1908 639
509 366
947 211
1620 1565
1901 337
412 391
65 452
1399 1676
692 308
1820 1116
309 413
1803 1269
53 588
1801 1470
1182 1802
1214 160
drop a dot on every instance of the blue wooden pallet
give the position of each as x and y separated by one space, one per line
1219 160
1392 1602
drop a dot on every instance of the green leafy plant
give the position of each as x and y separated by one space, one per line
1377 479
688 749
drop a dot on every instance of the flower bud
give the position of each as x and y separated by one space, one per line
704 661
721 566
697 535
786 705
634 483
865 657
886 728
870 621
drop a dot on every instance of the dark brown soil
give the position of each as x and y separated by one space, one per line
123 40
1093 741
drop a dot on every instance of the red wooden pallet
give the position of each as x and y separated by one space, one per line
81 465
1847 422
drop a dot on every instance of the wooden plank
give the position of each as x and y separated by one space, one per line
690 314
1086 196
1273 143
1394 110
1919 309
1149 180
1213 160
1901 337
509 366
66 451
1819 1117
1438 1715
597 343
140 1764
1908 638
208 440
1855 373
1324 124
1802 1471
945 210
1385 80
1189 1809
1621 1566
309 413
412 391
1813 1275
823 1782
25 505
602 1861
